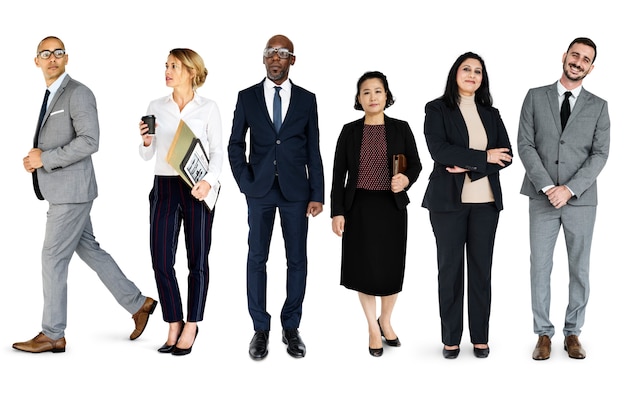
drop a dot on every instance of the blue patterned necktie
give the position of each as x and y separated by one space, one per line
278 111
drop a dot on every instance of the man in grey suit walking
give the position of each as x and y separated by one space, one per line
66 136
563 143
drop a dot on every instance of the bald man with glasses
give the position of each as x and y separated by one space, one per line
283 171
66 136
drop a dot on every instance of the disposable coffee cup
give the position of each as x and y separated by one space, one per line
149 120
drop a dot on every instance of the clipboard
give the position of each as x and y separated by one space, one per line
188 157
195 163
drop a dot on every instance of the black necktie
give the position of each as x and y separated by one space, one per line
42 112
278 111
565 110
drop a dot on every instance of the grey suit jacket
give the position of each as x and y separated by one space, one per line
69 135
572 157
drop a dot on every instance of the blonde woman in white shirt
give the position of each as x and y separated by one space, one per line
174 203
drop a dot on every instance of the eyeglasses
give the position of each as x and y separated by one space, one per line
283 53
45 54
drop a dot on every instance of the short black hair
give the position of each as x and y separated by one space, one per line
373 75
586 41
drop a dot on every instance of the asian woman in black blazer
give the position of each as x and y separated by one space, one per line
368 205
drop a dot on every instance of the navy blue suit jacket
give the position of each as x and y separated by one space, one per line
293 154
448 143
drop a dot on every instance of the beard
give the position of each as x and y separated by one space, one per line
566 71
275 76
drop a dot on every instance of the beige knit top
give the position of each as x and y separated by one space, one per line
478 191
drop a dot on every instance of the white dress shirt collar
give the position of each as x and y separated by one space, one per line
54 87
561 90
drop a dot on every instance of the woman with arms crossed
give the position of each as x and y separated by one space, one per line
469 145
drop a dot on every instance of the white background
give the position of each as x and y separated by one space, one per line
118 48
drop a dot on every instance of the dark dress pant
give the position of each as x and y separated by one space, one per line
469 232
294 224
173 206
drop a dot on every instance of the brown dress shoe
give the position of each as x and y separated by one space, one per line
141 317
41 343
542 349
574 348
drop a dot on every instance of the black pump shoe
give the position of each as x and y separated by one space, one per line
376 352
166 348
184 351
393 343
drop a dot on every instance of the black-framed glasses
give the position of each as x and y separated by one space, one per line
283 53
45 54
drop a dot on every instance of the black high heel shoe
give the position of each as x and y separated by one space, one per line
376 352
184 351
394 343
166 348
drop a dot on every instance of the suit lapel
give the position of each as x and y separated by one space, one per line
57 95
552 95
579 104
459 123
485 118
294 98
358 139
52 101
259 92
390 137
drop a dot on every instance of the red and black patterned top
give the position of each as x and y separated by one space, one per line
374 172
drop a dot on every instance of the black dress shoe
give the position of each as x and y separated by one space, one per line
376 352
451 354
258 344
295 345
394 343
184 351
481 352
166 348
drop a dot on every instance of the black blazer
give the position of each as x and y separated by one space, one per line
448 143
400 139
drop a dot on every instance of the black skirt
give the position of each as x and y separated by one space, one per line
374 244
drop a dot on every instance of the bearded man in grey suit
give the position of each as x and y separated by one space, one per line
67 135
563 143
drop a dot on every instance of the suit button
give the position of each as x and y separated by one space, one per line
274 162
562 142
277 142
556 162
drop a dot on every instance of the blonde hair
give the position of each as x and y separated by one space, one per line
194 64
